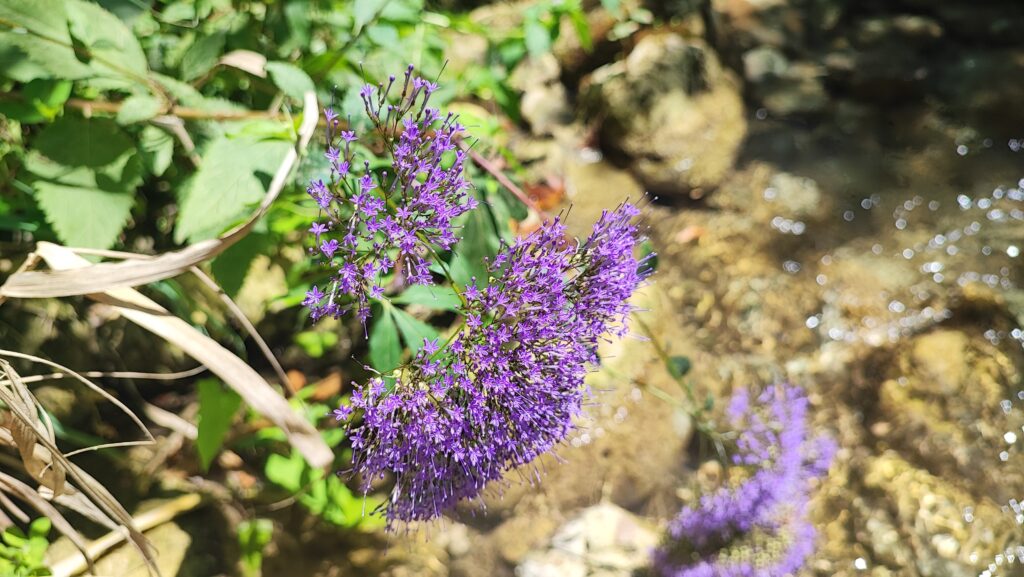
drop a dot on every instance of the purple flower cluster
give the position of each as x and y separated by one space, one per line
372 225
505 387
756 527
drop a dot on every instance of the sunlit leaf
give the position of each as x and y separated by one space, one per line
217 407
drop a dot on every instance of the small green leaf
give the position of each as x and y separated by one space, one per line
285 471
85 217
231 266
157 148
363 11
678 366
413 330
437 297
138 108
217 407
41 100
202 55
385 350
536 36
291 79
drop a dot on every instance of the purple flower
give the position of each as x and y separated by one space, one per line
395 220
317 229
342 413
329 247
505 389
756 527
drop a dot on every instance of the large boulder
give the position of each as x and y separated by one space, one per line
672 112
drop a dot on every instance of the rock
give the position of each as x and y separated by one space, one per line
940 361
603 540
544 103
672 110
763 63
929 513
798 90
795 197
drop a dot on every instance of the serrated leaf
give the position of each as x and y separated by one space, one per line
90 142
157 148
202 55
437 297
113 49
413 330
138 108
385 350
225 186
217 407
291 79
84 217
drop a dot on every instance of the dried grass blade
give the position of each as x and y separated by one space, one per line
96 278
234 371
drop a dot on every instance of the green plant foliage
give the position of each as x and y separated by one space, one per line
217 408
253 538
22 555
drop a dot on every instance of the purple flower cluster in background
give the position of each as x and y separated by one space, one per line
506 386
758 526
374 225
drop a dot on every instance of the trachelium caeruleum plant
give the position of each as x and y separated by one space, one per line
756 525
504 385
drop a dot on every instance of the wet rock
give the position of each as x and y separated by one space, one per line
800 90
763 63
604 540
946 405
929 512
672 110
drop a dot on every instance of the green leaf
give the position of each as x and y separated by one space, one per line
291 79
582 27
225 186
385 350
84 217
611 5
44 49
112 48
437 297
157 148
138 108
678 366
363 11
230 267
86 142
217 407
41 100
285 471
46 18
316 343
202 55
87 170
536 36
413 330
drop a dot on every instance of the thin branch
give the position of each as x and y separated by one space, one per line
501 178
